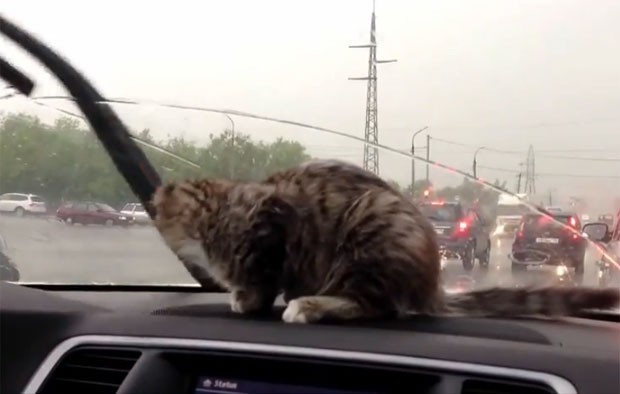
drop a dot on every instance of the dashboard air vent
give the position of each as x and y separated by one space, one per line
91 370
479 386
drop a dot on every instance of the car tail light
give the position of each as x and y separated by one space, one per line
462 228
573 221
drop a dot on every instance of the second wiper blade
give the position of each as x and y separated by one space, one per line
128 158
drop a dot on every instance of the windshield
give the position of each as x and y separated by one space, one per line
443 213
524 95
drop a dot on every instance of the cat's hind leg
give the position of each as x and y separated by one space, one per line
359 290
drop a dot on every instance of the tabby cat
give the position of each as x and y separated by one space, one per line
337 242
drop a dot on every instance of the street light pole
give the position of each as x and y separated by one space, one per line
232 145
232 122
412 160
428 157
475 155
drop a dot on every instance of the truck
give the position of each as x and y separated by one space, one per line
509 211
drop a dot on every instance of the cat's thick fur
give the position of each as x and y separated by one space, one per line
337 241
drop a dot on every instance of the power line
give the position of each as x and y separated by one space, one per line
465 125
576 150
549 174
333 132
456 143
124 101
579 158
13 92
514 152
445 141
137 139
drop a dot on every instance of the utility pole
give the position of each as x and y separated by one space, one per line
519 182
475 155
550 197
371 133
530 171
428 156
412 160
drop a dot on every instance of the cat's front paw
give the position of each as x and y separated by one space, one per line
247 301
310 309
301 311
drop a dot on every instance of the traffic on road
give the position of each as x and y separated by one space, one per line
52 249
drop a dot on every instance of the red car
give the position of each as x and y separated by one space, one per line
87 212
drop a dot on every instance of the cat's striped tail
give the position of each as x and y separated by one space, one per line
529 301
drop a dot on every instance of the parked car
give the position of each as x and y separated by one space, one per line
550 239
88 212
461 233
137 212
21 204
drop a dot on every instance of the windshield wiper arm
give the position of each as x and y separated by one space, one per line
128 158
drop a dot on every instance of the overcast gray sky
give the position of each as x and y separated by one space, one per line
504 74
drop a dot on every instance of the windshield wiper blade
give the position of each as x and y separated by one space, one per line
128 158
16 78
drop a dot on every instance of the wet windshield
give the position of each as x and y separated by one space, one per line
523 95
445 213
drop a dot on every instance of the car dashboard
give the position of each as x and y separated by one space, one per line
183 341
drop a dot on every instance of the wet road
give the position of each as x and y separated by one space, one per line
50 251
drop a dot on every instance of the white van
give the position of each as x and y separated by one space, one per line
510 210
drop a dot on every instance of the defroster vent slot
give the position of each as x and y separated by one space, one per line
91 370
483 386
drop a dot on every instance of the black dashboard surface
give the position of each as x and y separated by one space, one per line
34 321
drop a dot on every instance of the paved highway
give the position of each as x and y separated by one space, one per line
46 250
51 251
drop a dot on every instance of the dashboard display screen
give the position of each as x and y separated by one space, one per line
217 385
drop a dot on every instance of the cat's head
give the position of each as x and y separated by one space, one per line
183 208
